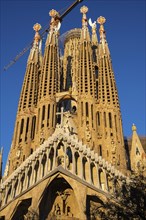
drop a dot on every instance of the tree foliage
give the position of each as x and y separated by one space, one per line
129 203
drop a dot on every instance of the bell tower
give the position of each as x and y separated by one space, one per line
24 131
86 86
108 116
49 82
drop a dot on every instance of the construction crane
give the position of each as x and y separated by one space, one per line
58 17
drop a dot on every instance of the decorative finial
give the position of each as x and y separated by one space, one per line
101 20
134 127
37 27
37 37
54 20
53 13
84 9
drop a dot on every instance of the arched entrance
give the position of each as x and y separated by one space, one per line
58 201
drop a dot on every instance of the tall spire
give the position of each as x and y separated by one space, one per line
101 20
54 28
37 37
35 52
86 83
103 47
29 94
49 80
24 131
109 129
85 32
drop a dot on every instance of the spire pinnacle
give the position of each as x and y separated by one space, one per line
54 22
54 26
134 128
101 20
37 37
84 10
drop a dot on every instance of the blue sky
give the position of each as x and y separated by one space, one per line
125 32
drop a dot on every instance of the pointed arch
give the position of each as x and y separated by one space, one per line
43 165
36 168
102 179
29 174
69 155
93 174
84 162
51 157
58 199
110 183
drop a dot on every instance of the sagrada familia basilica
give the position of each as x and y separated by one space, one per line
68 150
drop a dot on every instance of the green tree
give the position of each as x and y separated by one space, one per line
129 203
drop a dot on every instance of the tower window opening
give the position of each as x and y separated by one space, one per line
87 111
53 116
21 130
16 132
137 151
116 122
43 115
33 127
105 124
96 71
110 120
98 118
38 119
100 150
27 124
48 115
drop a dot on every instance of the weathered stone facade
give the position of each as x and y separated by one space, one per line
68 148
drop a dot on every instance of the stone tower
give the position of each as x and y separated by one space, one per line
68 134
24 131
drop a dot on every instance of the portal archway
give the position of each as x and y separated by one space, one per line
58 201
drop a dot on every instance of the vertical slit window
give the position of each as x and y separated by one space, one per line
16 132
22 124
97 88
48 116
98 118
105 119
92 114
33 127
110 120
43 116
38 119
53 116
27 125
82 108
48 111
87 111
100 150
116 122
21 130
43 113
